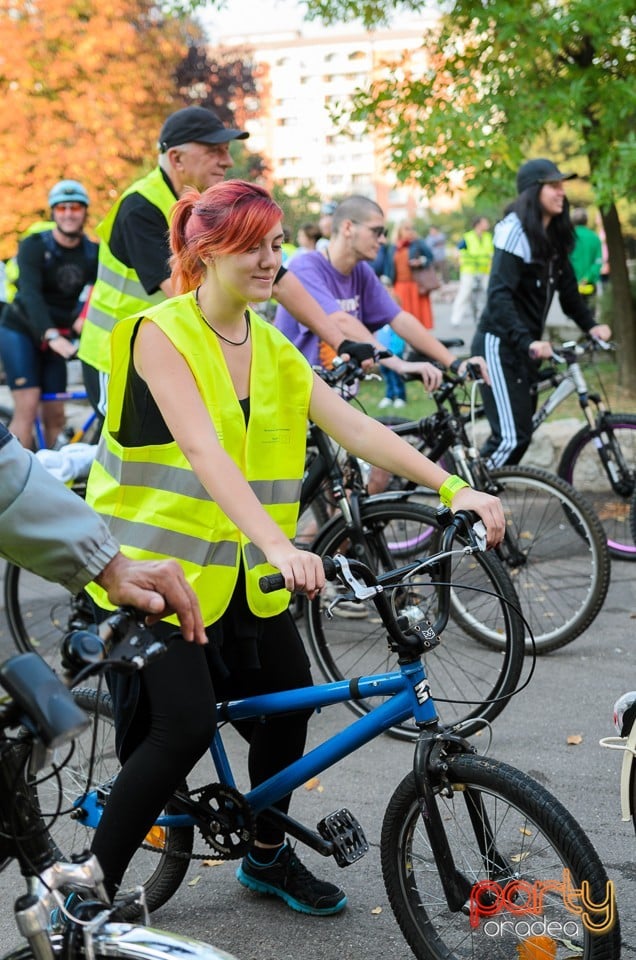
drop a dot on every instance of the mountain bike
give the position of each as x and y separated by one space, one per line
39 718
382 531
465 839
553 535
600 459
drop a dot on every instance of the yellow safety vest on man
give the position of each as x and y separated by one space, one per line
118 292
153 501
477 255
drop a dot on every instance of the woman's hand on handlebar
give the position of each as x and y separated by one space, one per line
488 508
303 571
601 332
158 587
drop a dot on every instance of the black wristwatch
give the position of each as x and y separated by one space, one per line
455 365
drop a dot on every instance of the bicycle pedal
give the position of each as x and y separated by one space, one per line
346 835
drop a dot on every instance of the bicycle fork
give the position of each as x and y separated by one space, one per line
429 767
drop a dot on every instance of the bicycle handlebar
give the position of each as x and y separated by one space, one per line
348 372
365 584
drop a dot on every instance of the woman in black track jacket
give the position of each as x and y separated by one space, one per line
530 264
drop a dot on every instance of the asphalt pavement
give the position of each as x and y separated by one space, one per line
569 698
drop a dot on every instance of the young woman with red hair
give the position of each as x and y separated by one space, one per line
202 460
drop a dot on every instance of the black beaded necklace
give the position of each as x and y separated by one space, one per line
233 343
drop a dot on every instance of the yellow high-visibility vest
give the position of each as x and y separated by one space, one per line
477 255
150 497
118 292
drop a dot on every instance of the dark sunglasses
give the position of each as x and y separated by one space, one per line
376 231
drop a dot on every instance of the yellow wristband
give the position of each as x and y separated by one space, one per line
449 488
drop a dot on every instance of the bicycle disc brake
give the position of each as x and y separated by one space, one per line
225 819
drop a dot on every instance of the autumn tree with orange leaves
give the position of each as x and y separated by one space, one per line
85 86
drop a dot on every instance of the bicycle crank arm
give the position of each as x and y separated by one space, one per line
299 831
339 835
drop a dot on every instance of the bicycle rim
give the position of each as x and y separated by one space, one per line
461 670
39 613
556 554
162 862
504 829
581 466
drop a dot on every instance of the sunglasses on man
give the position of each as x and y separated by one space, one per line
70 207
376 231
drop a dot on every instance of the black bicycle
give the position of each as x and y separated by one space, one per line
554 538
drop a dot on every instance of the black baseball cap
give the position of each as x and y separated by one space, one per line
196 125
540 171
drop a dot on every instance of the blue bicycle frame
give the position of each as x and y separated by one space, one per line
79 394
409 696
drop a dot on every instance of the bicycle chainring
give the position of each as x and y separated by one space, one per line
225 819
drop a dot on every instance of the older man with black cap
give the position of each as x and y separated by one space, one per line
530 264
133 270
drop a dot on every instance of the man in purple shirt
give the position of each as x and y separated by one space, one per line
341 279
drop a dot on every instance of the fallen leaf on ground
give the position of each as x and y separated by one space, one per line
312 784
574 739
376 910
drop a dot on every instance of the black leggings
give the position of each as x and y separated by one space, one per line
177 702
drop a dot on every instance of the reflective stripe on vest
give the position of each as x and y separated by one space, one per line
118 293
477 256
150 497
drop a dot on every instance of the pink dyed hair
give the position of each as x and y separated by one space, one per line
229 217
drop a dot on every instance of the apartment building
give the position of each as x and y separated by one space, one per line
301 78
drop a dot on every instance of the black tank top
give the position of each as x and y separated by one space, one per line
141 421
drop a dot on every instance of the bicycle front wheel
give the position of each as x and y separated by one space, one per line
508 838
162 862
588 462
468 680
556 553
39 613
125 942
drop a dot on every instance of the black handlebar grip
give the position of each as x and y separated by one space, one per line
276 581
271 582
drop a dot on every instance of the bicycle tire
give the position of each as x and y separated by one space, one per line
531 828
161 873
632 515
580 465
460 669
556 552
39 613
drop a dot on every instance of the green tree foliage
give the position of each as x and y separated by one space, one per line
501 74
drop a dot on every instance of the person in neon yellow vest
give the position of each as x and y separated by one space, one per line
475 256
202 459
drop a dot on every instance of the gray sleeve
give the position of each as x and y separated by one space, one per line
46 528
